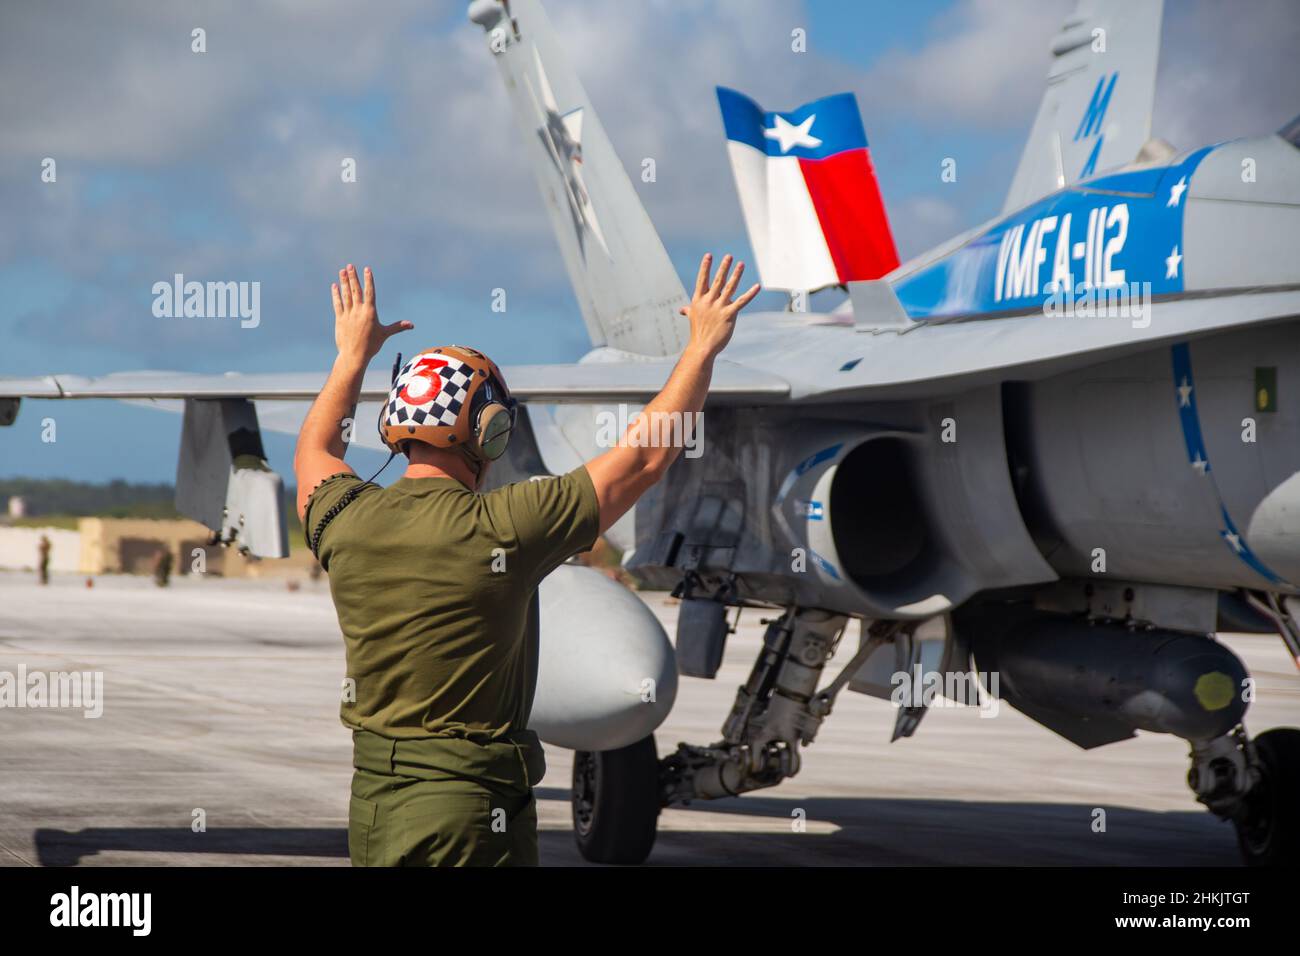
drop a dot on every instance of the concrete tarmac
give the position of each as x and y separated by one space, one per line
220 705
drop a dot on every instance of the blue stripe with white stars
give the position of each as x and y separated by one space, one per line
1198 457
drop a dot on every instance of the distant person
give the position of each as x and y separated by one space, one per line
162 568
43 558
435 584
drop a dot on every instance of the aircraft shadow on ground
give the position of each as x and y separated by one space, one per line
71 847
869 831
921 832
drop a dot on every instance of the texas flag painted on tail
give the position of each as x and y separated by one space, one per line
808 192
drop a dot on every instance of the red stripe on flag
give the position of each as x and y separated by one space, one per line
852 214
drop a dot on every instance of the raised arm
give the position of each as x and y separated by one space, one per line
623 474
359 336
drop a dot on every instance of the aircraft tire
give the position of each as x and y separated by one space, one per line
615 802
1269 833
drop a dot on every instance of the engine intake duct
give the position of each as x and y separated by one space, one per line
1096 683
907 519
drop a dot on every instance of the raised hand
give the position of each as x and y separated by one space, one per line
358 332
713 310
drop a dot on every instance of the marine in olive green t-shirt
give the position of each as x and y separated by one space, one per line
433 585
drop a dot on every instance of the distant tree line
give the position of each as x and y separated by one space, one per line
113 499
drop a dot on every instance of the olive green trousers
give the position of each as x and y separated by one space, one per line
444 802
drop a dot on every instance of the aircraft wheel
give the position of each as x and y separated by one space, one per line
616 802
1269 832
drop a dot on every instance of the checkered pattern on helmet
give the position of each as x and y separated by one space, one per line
443 408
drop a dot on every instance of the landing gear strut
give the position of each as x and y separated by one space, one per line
777 711
617 794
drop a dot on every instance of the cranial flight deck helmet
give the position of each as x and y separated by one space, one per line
449 397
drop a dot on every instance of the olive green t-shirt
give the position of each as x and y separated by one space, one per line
435 588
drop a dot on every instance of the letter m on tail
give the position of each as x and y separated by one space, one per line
1093 116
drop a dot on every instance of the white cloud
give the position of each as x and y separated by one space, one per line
250 135
985 65
1226 70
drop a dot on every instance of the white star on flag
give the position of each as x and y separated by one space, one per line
788 136
1184 394
1171 264
1176 191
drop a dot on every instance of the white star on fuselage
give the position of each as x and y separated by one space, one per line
1234 540
1171 264
1176 191
1184 394
788 136
1200 464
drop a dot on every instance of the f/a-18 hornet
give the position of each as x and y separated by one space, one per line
1044 461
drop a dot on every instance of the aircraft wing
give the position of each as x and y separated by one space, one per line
581 383
880 360
222 478
874 360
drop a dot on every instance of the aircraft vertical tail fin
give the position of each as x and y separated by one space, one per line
1096 112
626 286
808 192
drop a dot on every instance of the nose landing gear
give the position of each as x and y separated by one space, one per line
617 794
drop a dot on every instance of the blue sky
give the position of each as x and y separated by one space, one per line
224 165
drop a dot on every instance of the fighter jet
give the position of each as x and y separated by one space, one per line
1060 450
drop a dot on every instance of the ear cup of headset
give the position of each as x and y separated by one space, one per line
495 423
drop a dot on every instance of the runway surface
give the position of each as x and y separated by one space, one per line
220 700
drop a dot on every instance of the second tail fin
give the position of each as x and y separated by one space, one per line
626 286
1096 112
